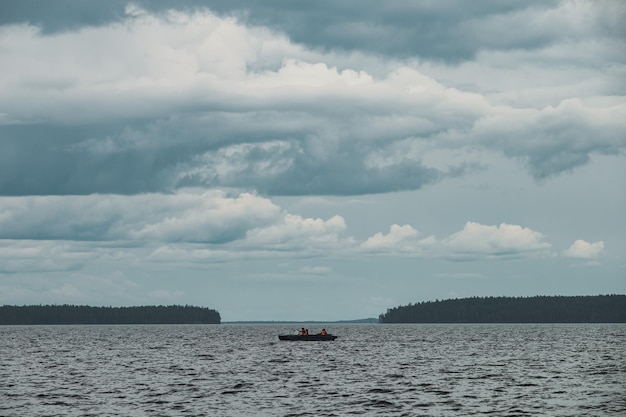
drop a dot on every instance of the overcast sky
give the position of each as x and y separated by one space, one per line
310 160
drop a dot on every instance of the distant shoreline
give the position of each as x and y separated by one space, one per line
370 320
86 315
474 310
538 309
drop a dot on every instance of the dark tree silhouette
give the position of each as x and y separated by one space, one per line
539 309
72 314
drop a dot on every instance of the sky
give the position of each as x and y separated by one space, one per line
282 160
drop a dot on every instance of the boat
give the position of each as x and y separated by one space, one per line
306 338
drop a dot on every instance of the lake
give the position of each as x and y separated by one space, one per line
244 370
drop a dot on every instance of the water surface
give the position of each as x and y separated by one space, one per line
244 370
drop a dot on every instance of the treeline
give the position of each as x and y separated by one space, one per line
539 309
73 314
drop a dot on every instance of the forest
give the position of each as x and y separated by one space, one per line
538 309
76 314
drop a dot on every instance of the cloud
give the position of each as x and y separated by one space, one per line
556 138
46 233
308 237
154 100
203 227
297 233
398 237
503 241
581 249
159 126
475 241
44 256
289 235
449 31
212 227
208 216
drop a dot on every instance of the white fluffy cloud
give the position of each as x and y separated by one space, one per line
400 238
505 240
295 232
582 249
475 241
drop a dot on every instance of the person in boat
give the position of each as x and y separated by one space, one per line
303 332
323 332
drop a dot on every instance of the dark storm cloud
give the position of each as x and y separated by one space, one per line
57 160
556 139
168 101
437 30
44 159
444 30
345 173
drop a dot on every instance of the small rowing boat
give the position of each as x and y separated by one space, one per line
306 338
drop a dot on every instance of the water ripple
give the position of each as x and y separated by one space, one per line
390 370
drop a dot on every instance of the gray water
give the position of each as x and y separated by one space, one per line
244 370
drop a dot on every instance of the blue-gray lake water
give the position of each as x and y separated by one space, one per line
244 370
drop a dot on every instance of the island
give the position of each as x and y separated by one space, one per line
538 309
81 314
